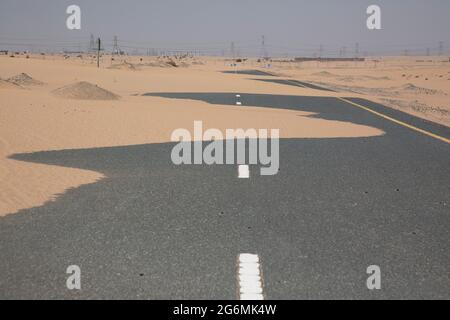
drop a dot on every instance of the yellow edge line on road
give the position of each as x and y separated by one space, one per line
388 118
396 121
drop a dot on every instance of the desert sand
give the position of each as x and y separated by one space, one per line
416 85
57 102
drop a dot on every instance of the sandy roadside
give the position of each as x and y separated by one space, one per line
416 85
33 119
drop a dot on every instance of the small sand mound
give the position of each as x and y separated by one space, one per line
24 79
165 64
372 78
183 65
419 90
361 78
124 66
9 85
323 74
171 63
85 91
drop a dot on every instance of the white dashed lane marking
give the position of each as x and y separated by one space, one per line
249 277
238 103
243 171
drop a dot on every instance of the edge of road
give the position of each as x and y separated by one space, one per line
426 127
423 126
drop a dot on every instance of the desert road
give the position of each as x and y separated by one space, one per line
154 230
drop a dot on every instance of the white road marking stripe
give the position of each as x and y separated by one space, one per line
249 277
239 103
251 287
246 257
256 283
252 297
243 171
248 270
238 96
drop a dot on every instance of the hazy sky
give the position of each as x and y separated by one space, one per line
291 26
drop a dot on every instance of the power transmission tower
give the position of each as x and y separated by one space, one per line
264 53
232 53
91 44
115 50
441 48
357 50
320 51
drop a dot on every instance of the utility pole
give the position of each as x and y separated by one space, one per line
320 51
98 52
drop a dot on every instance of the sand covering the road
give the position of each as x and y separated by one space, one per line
35 119
416 85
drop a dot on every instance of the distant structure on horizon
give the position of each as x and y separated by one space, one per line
321 59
